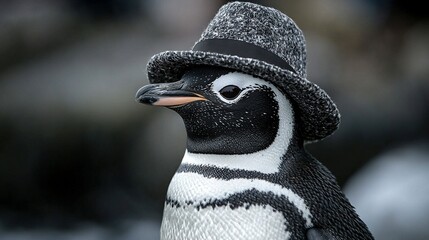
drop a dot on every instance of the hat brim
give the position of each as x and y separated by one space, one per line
318 113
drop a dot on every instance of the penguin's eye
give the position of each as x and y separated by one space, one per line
230 92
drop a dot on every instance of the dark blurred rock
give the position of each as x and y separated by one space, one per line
132 230
158 151
107 9
69 125
30 28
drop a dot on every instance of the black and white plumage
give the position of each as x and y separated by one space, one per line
245 173
248 109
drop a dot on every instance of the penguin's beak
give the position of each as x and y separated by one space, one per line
167 95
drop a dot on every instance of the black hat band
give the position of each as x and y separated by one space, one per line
241 49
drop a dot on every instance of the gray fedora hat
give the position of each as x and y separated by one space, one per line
263 42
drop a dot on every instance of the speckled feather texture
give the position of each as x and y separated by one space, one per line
275 32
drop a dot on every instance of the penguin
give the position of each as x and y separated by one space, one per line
246 173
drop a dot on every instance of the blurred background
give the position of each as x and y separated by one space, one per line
80 159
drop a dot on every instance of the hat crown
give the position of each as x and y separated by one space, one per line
262 26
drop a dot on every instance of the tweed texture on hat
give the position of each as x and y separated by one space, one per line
273 31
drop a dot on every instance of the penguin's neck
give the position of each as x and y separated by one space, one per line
268 160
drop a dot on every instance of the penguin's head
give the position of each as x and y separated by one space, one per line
225 111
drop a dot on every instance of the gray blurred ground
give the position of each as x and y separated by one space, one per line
80 159
391 193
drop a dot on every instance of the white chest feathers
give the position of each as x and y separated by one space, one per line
223 223
199 208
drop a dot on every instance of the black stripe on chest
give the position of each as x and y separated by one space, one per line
295 223
279 178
